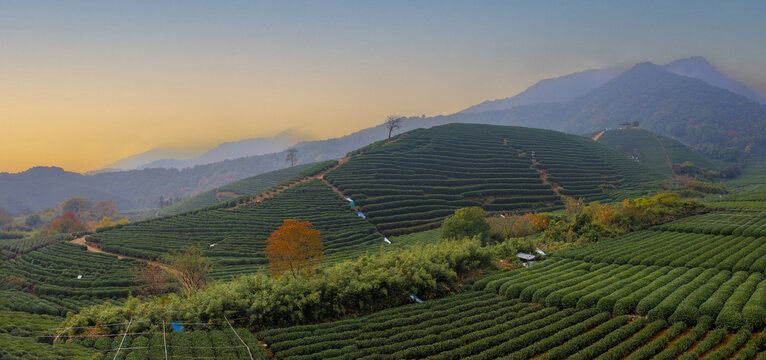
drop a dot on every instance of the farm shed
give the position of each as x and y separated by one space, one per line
527 259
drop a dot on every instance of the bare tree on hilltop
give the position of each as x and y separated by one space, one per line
393 122
292 156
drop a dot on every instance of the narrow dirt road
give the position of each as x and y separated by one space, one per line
91 248
228 194
667 156
595 137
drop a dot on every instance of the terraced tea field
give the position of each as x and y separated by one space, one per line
479 325
53 272
654 294
412 184
238 235
747 223
188 344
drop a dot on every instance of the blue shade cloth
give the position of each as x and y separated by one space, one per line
416 298
177 326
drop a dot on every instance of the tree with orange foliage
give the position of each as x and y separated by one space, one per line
295 246
537 221
67 223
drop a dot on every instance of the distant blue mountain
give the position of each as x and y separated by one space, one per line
697 67
559 89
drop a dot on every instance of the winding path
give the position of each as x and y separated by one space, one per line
91 248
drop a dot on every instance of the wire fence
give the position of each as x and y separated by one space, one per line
124 334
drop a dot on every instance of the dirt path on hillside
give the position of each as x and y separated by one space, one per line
340 193
595 137
667 156
544 176
91 248
228 194
267 195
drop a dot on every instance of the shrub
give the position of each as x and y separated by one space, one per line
466 222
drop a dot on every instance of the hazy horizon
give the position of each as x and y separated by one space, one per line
86 83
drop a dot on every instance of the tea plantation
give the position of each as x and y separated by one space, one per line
234 238
412 184
65 277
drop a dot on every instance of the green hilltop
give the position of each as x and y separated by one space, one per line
412 184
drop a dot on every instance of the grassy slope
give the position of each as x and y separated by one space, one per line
650 151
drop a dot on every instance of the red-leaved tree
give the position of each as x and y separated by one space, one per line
67 223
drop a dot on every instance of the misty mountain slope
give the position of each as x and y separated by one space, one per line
697 67
559 89
569 87
42 187
677 106
134 161
231 150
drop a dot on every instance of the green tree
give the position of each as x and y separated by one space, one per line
466 222
191 267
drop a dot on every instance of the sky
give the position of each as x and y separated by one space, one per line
85 83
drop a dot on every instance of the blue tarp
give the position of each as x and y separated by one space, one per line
177 326
416 298
360 214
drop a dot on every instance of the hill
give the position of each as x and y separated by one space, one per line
655 151
42 187
401 187
413 183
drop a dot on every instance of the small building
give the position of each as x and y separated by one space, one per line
526 259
